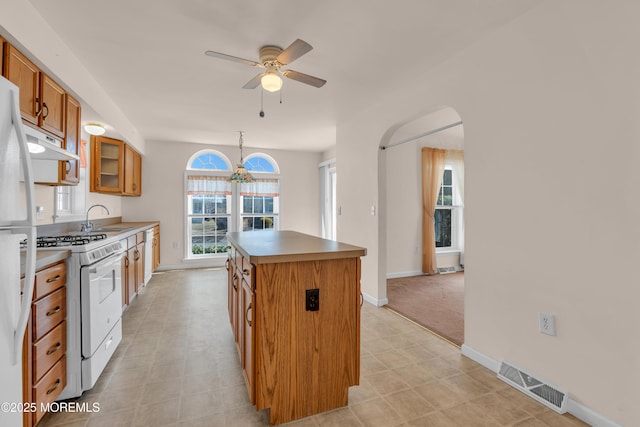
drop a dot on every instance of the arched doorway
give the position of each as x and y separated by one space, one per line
436 301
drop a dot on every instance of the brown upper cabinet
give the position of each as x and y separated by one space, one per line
132 172
23 73
116 168
52 115
45 104
2 44
106 165
69 170
42 100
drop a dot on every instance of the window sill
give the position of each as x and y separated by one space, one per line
447 251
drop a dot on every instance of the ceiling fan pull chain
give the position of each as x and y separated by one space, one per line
261 102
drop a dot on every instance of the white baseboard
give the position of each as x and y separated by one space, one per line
375 301
192 264
404 274
574 408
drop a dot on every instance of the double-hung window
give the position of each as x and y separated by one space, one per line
448 214
260 201
208 211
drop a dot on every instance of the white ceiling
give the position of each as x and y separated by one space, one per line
148 55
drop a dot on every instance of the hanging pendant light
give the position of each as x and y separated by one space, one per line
241 174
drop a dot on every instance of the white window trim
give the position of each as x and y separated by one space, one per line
78 200
457 216
187 255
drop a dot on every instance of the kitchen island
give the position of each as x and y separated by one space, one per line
294 307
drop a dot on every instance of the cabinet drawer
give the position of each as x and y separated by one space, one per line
50 386
140 237
48 350
247 271
50 279
48 312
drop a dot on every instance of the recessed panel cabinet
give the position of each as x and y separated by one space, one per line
23 73
46 105
42 99
69 170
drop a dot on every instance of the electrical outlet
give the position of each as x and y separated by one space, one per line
547 323
313 299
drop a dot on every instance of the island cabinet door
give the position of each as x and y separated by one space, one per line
306 360
248 302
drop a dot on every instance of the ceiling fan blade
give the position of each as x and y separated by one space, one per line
254 82
232 58
304 78
293 52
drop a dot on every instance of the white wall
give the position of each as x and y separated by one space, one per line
162 198
550 110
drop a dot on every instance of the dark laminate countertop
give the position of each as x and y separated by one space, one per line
265 247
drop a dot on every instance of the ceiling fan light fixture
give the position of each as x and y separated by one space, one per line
95 129
271 82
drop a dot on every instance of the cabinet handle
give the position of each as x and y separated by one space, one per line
55 386
45 114
68 167
235 277
246 315
39 109
54 311
226 264
54 279
54 349
246 272
126 261
97 181
136 255
361 299
134 187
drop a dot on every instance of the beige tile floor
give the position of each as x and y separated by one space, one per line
177 366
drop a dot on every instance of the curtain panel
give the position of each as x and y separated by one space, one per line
261 187
208 185
433 162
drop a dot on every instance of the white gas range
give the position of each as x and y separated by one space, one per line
94 305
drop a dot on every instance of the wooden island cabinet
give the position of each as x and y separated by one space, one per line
294 307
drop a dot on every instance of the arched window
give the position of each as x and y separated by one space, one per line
214 205
209 160
261 163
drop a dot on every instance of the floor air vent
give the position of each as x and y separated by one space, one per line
445 270
543 393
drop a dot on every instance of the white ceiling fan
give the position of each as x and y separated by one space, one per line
273 59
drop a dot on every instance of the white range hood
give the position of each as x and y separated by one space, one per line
45 147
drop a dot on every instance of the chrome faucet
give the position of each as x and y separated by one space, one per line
88 226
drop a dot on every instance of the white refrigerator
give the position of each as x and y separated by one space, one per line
17 223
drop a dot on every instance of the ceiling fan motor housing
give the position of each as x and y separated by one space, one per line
268 55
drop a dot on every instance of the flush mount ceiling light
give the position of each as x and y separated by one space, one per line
94 129
241 174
